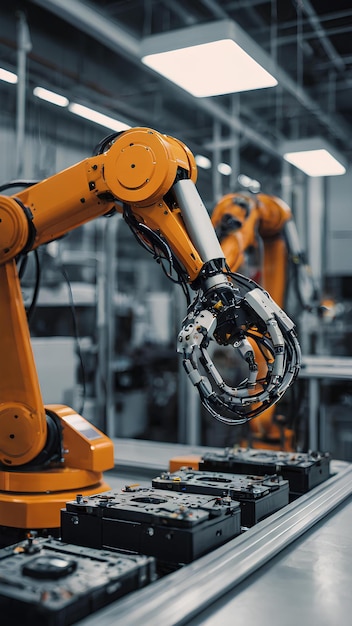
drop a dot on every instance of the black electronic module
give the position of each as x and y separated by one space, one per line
259 496
175 528
49 583
302 470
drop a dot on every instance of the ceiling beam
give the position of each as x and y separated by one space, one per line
85 17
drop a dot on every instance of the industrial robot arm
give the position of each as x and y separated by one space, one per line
243 221
150 178
261 222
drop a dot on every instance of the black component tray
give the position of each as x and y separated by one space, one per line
259 496
302 470
174 528
46 582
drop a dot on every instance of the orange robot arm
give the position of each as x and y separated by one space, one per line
150 178
267 219
140 168
134 173
137 168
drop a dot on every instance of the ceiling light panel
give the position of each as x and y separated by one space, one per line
314 156
225 169
50 96
208 60
202 161
97 117
8 77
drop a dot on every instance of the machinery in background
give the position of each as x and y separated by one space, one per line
258 236
49 453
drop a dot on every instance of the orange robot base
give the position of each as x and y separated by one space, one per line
34 499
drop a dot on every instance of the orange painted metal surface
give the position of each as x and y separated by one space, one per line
190 461
138 168
84 446
22 416
40 510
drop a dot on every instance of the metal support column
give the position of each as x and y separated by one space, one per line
24 46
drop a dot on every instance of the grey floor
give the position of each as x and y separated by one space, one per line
309 583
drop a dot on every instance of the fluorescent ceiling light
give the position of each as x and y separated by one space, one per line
249 183
225 169
8 77
50 96
98 118
209 59
315 162
314 156
244 180
202 161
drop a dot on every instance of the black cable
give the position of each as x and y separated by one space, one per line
104 143
32 307
261 341
158 247
22 265
18 183
24 259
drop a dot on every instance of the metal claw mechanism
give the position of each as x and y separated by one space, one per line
232 310
239 316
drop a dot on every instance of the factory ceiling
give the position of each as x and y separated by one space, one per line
90 51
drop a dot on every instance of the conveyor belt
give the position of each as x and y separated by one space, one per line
191 591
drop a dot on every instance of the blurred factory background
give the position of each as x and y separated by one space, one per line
106 319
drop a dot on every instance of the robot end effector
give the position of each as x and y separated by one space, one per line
240 314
